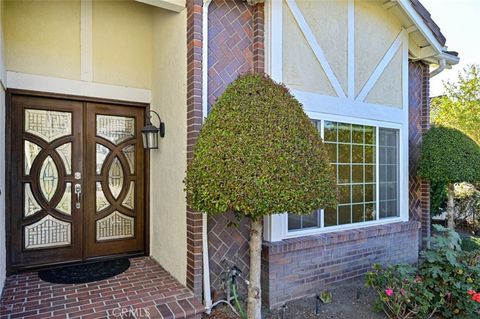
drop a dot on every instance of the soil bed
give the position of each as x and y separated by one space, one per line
345 305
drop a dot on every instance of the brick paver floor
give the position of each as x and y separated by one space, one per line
145 290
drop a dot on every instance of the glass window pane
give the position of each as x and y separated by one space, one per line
309 221
389 172
344 174
344 214
357 193
330 217
294 221
357 134
357 154
357 173
357 213
330 131
332 152
344 133
344 153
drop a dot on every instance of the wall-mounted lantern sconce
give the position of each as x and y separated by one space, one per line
150 132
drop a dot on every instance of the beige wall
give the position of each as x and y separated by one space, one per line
2 153
375 29
43 37
122 43
168 237
121 33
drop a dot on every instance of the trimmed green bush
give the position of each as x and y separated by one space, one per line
259 154
449 156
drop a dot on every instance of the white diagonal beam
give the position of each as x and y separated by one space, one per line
381 66
317 50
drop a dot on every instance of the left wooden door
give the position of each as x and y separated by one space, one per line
46 202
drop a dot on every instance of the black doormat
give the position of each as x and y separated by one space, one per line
88 272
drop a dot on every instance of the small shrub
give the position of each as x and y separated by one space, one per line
470 243
401 294
447 280
449 273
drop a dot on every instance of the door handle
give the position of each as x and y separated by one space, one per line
78 193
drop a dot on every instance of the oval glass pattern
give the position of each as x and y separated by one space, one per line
48 178
115 177
31 205
129 152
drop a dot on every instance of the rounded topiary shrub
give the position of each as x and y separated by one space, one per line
449 156
258 153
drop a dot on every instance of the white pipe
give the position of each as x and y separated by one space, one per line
207 298
442 65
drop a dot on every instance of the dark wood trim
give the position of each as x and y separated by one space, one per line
9 93
8 174
77 98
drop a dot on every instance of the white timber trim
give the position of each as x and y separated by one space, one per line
274 39
406 5
206 4
86 40
381 66
172 5
42 83
317 50
351 49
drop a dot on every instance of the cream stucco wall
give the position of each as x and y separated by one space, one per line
375 29
168 233
122 43
43 37
2 153
121 35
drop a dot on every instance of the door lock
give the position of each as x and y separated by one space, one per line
78 193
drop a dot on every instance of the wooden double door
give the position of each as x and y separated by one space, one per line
77 181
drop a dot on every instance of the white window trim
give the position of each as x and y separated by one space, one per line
345 110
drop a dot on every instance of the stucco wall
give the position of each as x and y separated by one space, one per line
51 29
168 238
121 32
375 29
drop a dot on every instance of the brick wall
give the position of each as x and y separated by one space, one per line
304 267
419 122
235 46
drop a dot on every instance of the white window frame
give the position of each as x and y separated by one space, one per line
338 109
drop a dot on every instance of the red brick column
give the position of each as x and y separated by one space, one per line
194 123
259 38
419 123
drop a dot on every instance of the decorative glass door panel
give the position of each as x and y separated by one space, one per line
77 181
116 216
46 220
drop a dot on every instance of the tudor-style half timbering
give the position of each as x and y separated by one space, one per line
348 49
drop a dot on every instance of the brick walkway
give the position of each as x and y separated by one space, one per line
145 290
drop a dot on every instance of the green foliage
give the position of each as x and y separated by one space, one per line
259 154
443 282
471 244
460 106
449 156
438 197
449 273
401 293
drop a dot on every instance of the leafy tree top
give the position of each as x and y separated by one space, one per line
460 106
449 156
258 154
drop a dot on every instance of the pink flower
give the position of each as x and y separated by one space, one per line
389 292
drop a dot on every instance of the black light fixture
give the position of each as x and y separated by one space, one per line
150 132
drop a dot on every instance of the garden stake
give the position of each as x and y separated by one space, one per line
317 305
284 310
